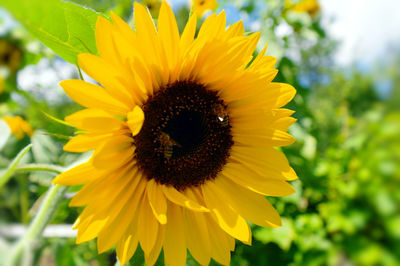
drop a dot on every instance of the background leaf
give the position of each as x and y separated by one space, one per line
66 28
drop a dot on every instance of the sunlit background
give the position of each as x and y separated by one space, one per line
342 56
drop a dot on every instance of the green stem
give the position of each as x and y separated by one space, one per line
39 167
47 209
11 168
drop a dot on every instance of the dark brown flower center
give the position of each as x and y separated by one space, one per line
186 136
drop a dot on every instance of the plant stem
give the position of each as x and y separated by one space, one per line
39 167
11 168
47 209
43 217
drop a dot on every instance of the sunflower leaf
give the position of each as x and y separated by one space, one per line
66 28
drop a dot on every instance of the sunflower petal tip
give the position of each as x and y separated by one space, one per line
101 248
62 83
56 181
101 20
137 6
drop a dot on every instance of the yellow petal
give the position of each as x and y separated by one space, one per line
147 227
93 96
236 29
115 151
275 95
213 26
88 231
105 73
147 34
85 142
81 174
262 61
243 50
220 242
288 92
157 201
113 231
271 138
259 184
123 28
178 198
95 120
135 120
105 188
168 33
267 162
197 236
144 23
188 33
104 42
127 245
253 207
174 242
151 258
284 123
228 219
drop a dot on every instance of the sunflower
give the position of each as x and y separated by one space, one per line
311 7
183 131
201 6
153 6
1 84
10 55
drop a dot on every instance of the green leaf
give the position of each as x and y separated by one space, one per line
44 149
282 236
66 28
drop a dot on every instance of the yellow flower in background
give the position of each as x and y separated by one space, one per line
18 126
1 84
153 6
201 6
311 7
10 55
183 132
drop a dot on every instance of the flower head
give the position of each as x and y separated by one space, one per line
2 80
18 126
10 55
183 131
311 7
153 6
201 6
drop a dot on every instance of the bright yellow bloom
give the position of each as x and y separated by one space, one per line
1 84
18 126
201 6
153 6
10 55
183 133
311 7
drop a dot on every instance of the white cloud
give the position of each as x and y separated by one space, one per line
365 27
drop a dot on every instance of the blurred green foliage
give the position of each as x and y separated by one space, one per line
347 153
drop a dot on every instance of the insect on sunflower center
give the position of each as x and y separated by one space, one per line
186 136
